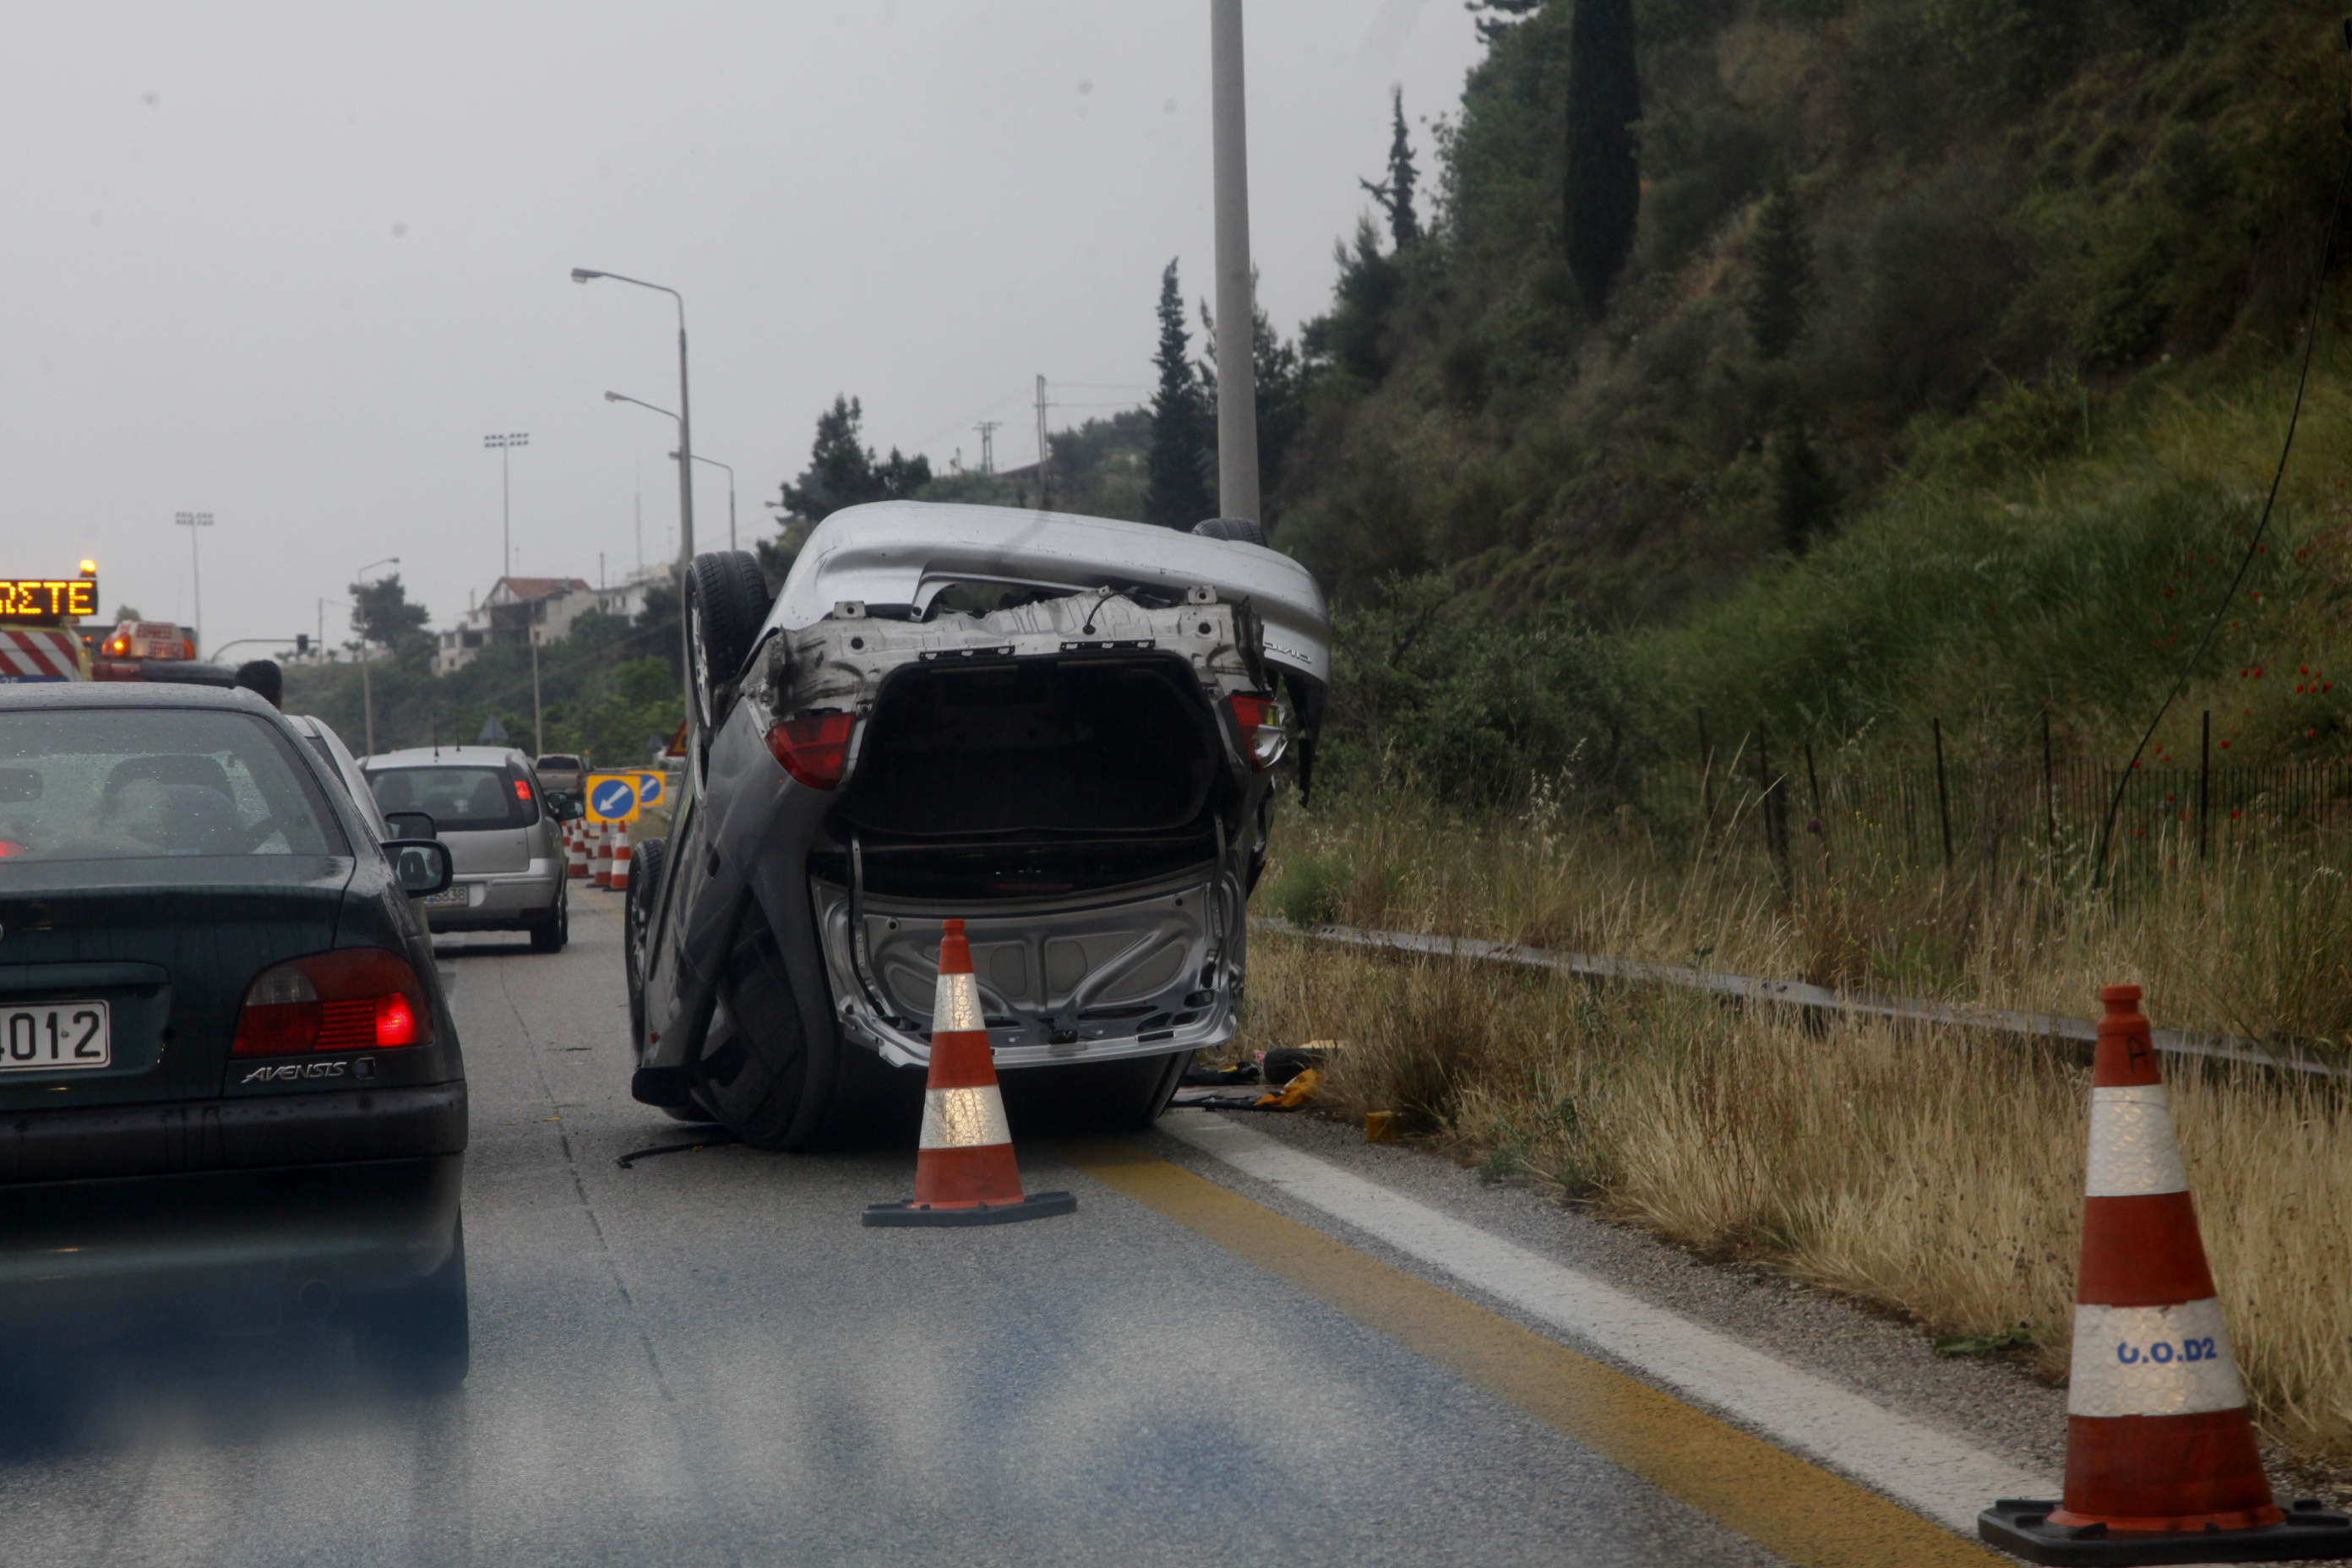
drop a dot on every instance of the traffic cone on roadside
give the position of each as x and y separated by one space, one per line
964 1171
600 858
620 883
575 850
2160 1459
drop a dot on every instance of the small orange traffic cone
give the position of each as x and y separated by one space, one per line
620 882
2160 1460
600 858
575 850
964 1171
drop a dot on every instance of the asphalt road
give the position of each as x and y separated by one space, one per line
707 1359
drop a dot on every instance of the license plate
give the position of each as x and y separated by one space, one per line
449 897
55 1037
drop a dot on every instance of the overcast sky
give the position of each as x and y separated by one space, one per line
287 263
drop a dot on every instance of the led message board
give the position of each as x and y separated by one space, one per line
48 598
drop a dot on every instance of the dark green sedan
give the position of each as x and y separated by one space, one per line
231 1094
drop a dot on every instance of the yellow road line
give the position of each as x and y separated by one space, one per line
1785 1504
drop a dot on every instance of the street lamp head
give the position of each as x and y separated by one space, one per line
615 398
582 275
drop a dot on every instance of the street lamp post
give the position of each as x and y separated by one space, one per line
684 476
192 521
505 497
715 463
367 682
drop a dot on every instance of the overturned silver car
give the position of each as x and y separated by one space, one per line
1067 732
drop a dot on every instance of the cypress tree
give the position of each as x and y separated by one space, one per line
1803 496
1177 492
1603 186
1780 273
1395 193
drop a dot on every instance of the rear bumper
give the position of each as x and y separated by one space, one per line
226 1248
251 1133
502 899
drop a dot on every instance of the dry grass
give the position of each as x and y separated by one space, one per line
2258 944
1935 1173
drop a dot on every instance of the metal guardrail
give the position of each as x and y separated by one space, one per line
1799 993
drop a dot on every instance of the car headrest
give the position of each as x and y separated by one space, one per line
203 772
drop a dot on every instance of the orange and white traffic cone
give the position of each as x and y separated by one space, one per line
964 1170
600 858
2160 1460
575 852
620 882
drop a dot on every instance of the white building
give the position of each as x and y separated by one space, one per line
524 610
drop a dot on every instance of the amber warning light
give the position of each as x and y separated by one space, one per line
48 598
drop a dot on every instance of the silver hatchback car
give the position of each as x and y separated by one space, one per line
505 837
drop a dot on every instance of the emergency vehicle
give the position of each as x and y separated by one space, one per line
40 625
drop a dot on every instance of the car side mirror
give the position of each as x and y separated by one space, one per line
565 806
412 825
422 864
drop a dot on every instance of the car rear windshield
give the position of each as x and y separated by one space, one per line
459 799
134 783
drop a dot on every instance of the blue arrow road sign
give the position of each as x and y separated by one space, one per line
612 798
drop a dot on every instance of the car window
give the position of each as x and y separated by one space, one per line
459 799
143 782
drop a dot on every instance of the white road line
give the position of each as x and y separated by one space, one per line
1937 1476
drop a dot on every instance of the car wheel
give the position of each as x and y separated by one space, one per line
645 863
726 600
549 936
757 1074
1238 530
418 1339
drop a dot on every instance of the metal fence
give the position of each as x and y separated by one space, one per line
1941 810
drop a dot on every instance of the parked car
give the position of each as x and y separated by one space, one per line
503 833
230 1085
1067 732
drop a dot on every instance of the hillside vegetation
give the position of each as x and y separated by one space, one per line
1943 374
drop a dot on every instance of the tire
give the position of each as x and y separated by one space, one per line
1235 529
761 1077
726 601
418 1339
646 862
550 935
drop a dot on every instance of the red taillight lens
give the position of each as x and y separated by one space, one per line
358 998
522 790
1264 739
814 747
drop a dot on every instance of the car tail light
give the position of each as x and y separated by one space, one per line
357 998
814 747
522 790
1264 738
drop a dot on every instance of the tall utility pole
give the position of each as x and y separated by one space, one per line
506 498
192 520
1045 495
1236 311
715 463
367 679
987 428
538 727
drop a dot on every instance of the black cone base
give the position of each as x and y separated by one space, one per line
1036 1205
2309 1532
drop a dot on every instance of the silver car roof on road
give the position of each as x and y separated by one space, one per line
903 553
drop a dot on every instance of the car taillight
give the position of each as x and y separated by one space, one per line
357 998
1264 739
522 792
814 747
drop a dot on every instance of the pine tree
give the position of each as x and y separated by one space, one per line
1803 496
1780 273
1395 193
1177 494
844 471
1495 18
1603 186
